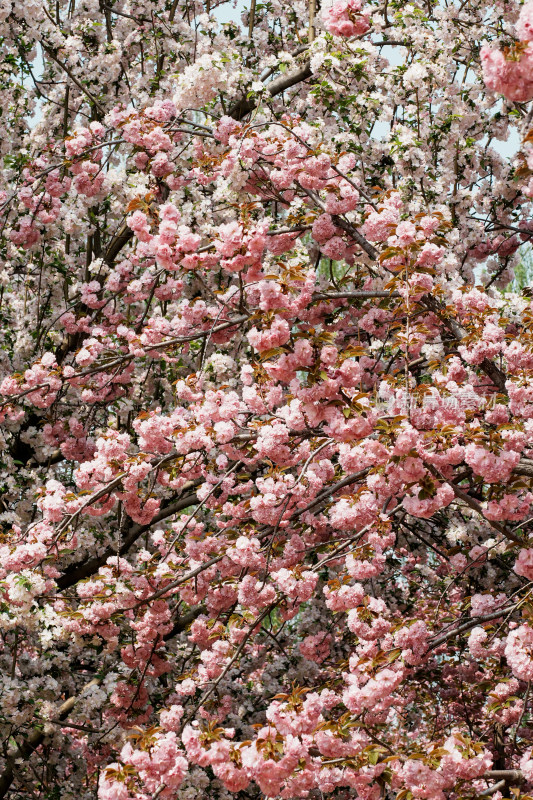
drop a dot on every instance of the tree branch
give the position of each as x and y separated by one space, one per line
245 105
77 572
35 739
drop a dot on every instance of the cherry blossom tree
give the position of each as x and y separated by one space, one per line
266 400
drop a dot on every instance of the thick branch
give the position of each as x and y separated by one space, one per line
121 238
24 751
472 623
183 621
77 572
243 106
